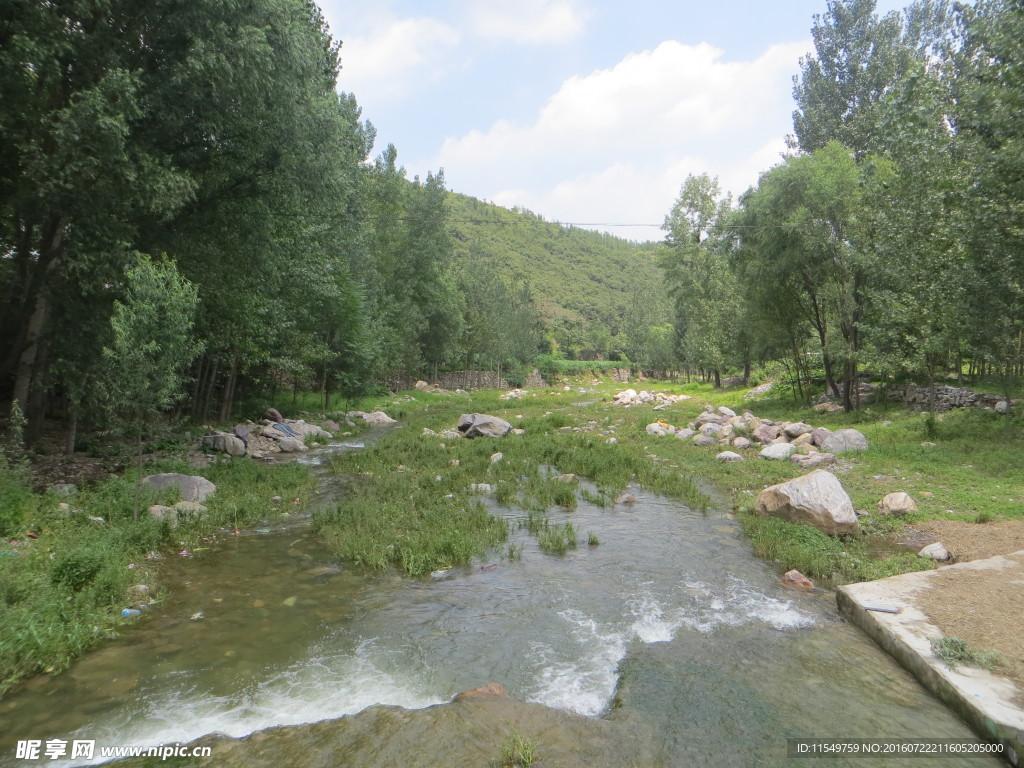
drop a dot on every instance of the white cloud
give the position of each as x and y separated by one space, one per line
616 145
530 21
397 53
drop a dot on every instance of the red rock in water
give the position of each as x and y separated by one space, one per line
491 689
796 579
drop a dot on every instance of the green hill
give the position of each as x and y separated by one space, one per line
581 280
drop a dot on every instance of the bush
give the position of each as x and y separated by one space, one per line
74 569
16 502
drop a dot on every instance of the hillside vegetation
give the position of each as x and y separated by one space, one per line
586 285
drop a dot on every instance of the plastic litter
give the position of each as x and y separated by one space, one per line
131 612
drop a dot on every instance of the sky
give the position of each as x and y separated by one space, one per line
588 112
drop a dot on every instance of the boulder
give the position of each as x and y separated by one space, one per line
703 440
626 498
729 456
896 504
765 433
796 579
481 488
656 430
796 429
272 414
160 512
331 426
310 430
190 487
819 435
491 689
804 439
291 445
816 499
936 551
482 425
378 419
222 442
709 418
190 507
740 442
710 429
685 434
777 452
844 440
813 460
726 412
1003 406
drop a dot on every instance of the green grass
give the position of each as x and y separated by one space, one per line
558 539
408 505
972 473
823 558
63 591
955 652
517 751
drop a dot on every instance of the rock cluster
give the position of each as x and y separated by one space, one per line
799 442
946 398
276 434
630 397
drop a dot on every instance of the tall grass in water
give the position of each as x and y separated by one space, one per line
408 503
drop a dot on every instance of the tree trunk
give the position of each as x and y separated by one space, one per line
228 393
72 430
207 396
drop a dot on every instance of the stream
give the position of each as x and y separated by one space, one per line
670 624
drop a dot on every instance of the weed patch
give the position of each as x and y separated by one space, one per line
955 652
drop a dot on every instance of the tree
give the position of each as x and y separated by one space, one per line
697 267
151 346
806 233
858 59
990 87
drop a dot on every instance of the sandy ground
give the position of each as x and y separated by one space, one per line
984 608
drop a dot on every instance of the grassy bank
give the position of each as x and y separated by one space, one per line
961 466
69 566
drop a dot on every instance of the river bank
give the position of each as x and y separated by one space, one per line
560 479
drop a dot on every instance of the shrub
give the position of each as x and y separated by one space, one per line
76 568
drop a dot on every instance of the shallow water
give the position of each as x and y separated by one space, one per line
669 623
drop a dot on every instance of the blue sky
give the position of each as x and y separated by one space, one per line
583 111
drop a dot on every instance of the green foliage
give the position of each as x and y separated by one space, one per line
696 265
17 502
151 344
820 556
558 539
517 751
582 282
63 591
76 568
955 652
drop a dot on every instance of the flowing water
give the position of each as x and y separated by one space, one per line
670 623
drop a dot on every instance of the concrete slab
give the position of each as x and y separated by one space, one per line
990 704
